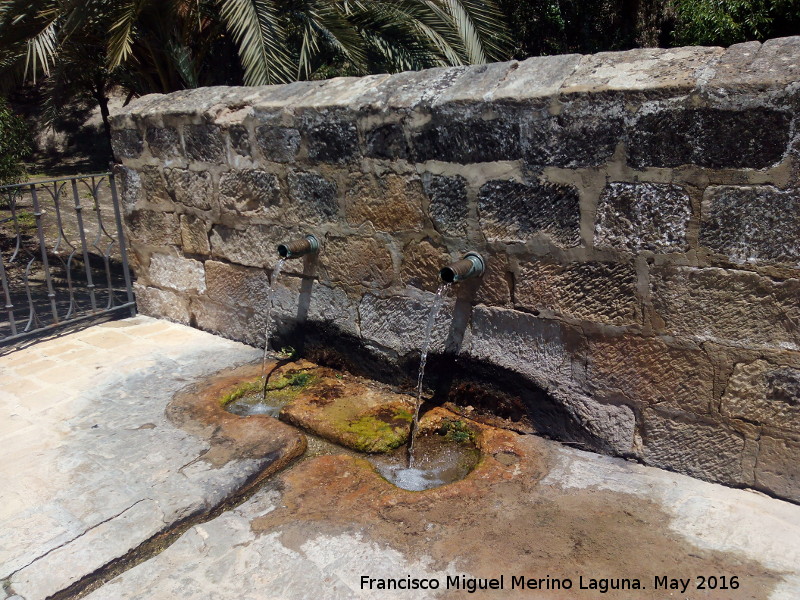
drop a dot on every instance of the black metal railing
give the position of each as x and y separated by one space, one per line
62 254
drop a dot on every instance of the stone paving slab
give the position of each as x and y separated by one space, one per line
91 465
330 520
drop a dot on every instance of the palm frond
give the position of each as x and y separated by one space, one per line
256 28
41 53
121 33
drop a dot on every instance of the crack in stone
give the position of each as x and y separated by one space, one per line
77 537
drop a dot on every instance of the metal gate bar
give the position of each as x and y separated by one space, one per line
65 235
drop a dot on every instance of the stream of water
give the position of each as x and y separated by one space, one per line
438 301
276 273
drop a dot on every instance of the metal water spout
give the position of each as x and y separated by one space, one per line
472 265
299 247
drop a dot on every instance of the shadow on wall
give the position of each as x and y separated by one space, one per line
475 388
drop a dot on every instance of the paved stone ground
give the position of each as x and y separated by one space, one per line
92 467
591 515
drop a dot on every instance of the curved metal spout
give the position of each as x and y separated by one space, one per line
472 265
299 247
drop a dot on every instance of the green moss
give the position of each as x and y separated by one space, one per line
455 430
374 435
298 380
290 385
240 391
404 415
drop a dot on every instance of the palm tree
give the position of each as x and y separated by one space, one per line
164 45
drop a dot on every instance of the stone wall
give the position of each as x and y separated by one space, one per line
640 213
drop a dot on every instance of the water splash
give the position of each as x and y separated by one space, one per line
438 301
276 273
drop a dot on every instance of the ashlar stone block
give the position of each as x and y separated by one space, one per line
391 202
190 188
643 216
740 307
177 273
701 449
593 291
248 191
514 212
447 207
752 224
765 393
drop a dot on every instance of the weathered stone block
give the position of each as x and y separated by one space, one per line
127 143
643 216
398 323
701 449
540 349
331 139
240 325
421 264
540 77
592 291
177 273
204 143
314 198
190 188
777 466
584 134
154 228
752 224
356 261
494 288
248 192
278 144
757 67
663 138
194 235
236 286
613 425
300 300
386 141
390 203
130 188
455 136
162 304
765 393
653 70
252 247
163 142
448 206
240 140
736 306
753 138
153 186
515 212
647 371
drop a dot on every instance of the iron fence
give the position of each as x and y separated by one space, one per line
62 254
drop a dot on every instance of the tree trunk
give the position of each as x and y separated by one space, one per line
102 101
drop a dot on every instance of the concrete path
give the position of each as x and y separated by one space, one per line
97 463
91 466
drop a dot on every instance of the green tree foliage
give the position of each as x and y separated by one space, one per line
15 145
541 27
725 22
